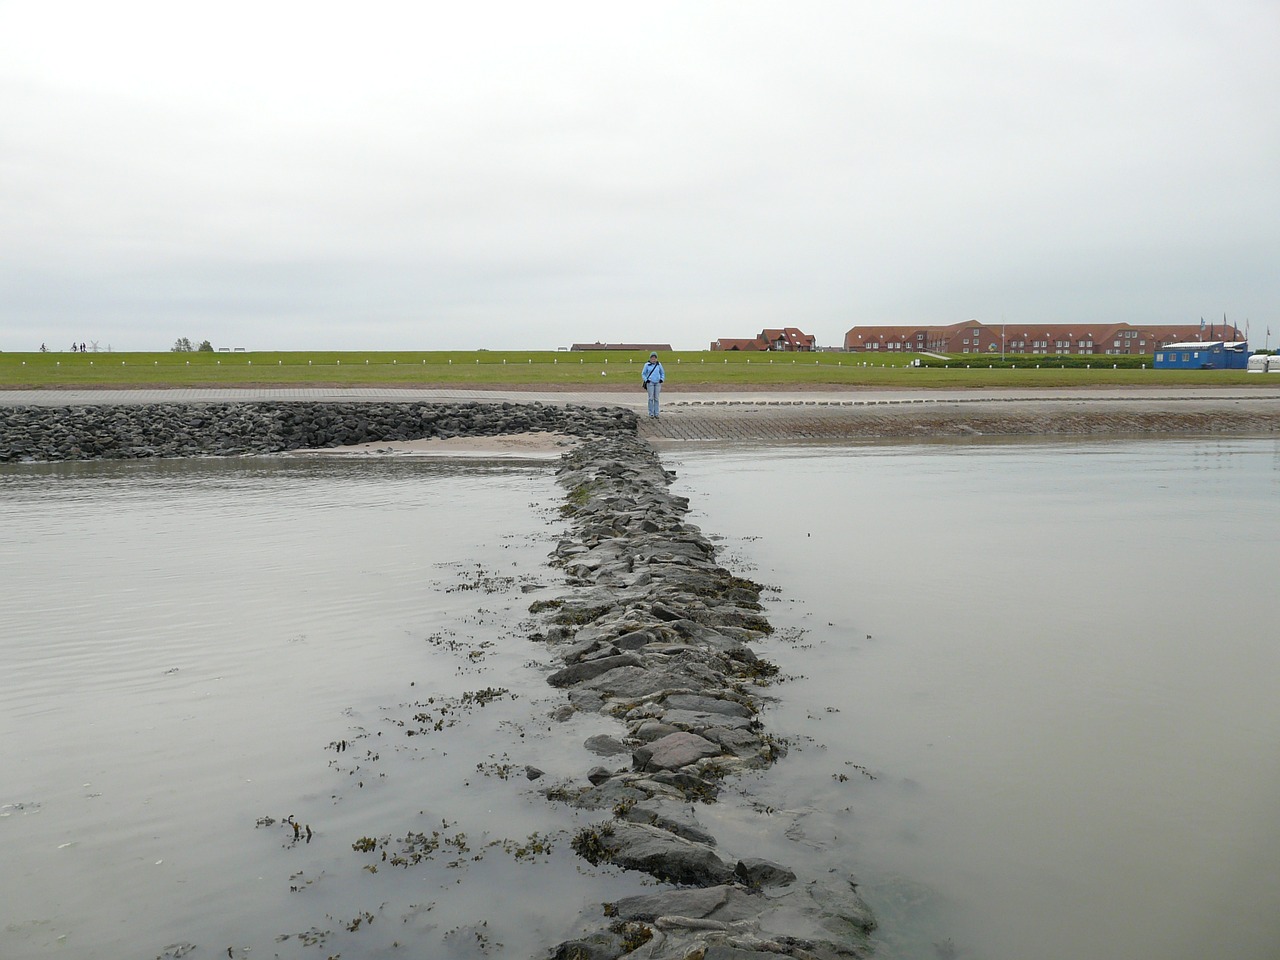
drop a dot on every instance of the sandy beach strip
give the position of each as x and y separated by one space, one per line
512 446
767 416
799 421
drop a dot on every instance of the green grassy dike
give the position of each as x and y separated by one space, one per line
550 369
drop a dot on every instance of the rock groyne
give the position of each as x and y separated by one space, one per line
138 431
657 634
654 632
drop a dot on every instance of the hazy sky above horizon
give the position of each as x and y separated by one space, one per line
284 175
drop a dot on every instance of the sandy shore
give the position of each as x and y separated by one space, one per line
904 417
759 416
514 446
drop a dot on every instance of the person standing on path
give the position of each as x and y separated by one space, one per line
652 377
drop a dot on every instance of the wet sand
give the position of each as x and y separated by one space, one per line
512 446
905 416
773 415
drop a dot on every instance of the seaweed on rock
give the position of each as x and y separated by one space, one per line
657 633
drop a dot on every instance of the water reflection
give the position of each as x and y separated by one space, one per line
1056 661
1029 691
187 642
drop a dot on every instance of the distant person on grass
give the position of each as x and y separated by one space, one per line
652 376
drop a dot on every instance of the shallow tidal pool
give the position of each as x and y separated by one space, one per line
283 707
1030 687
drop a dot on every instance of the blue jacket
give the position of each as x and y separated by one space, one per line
652 371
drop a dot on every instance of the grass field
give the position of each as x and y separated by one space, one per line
600 370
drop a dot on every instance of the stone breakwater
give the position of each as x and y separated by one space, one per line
654 632
657 634
136 431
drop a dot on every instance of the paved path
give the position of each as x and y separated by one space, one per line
777 415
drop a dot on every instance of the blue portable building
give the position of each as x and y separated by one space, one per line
1203 355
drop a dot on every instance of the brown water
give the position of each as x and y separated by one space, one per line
1059 665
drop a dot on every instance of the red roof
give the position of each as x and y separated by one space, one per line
792 336
635 347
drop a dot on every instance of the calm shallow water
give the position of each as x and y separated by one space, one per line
1058 663
193 647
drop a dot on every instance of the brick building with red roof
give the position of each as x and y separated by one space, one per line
783 339
972 336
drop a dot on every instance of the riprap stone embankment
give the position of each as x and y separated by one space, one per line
137 431
657 634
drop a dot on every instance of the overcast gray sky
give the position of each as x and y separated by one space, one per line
416 175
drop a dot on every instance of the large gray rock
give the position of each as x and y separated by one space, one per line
604 945
603 745
635 846
697 703
727 951
650 730
678 818
637 639
634 683
577 673
698 721
674 751
746 745
757 872
723 902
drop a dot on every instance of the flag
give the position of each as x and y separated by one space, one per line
1202 324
